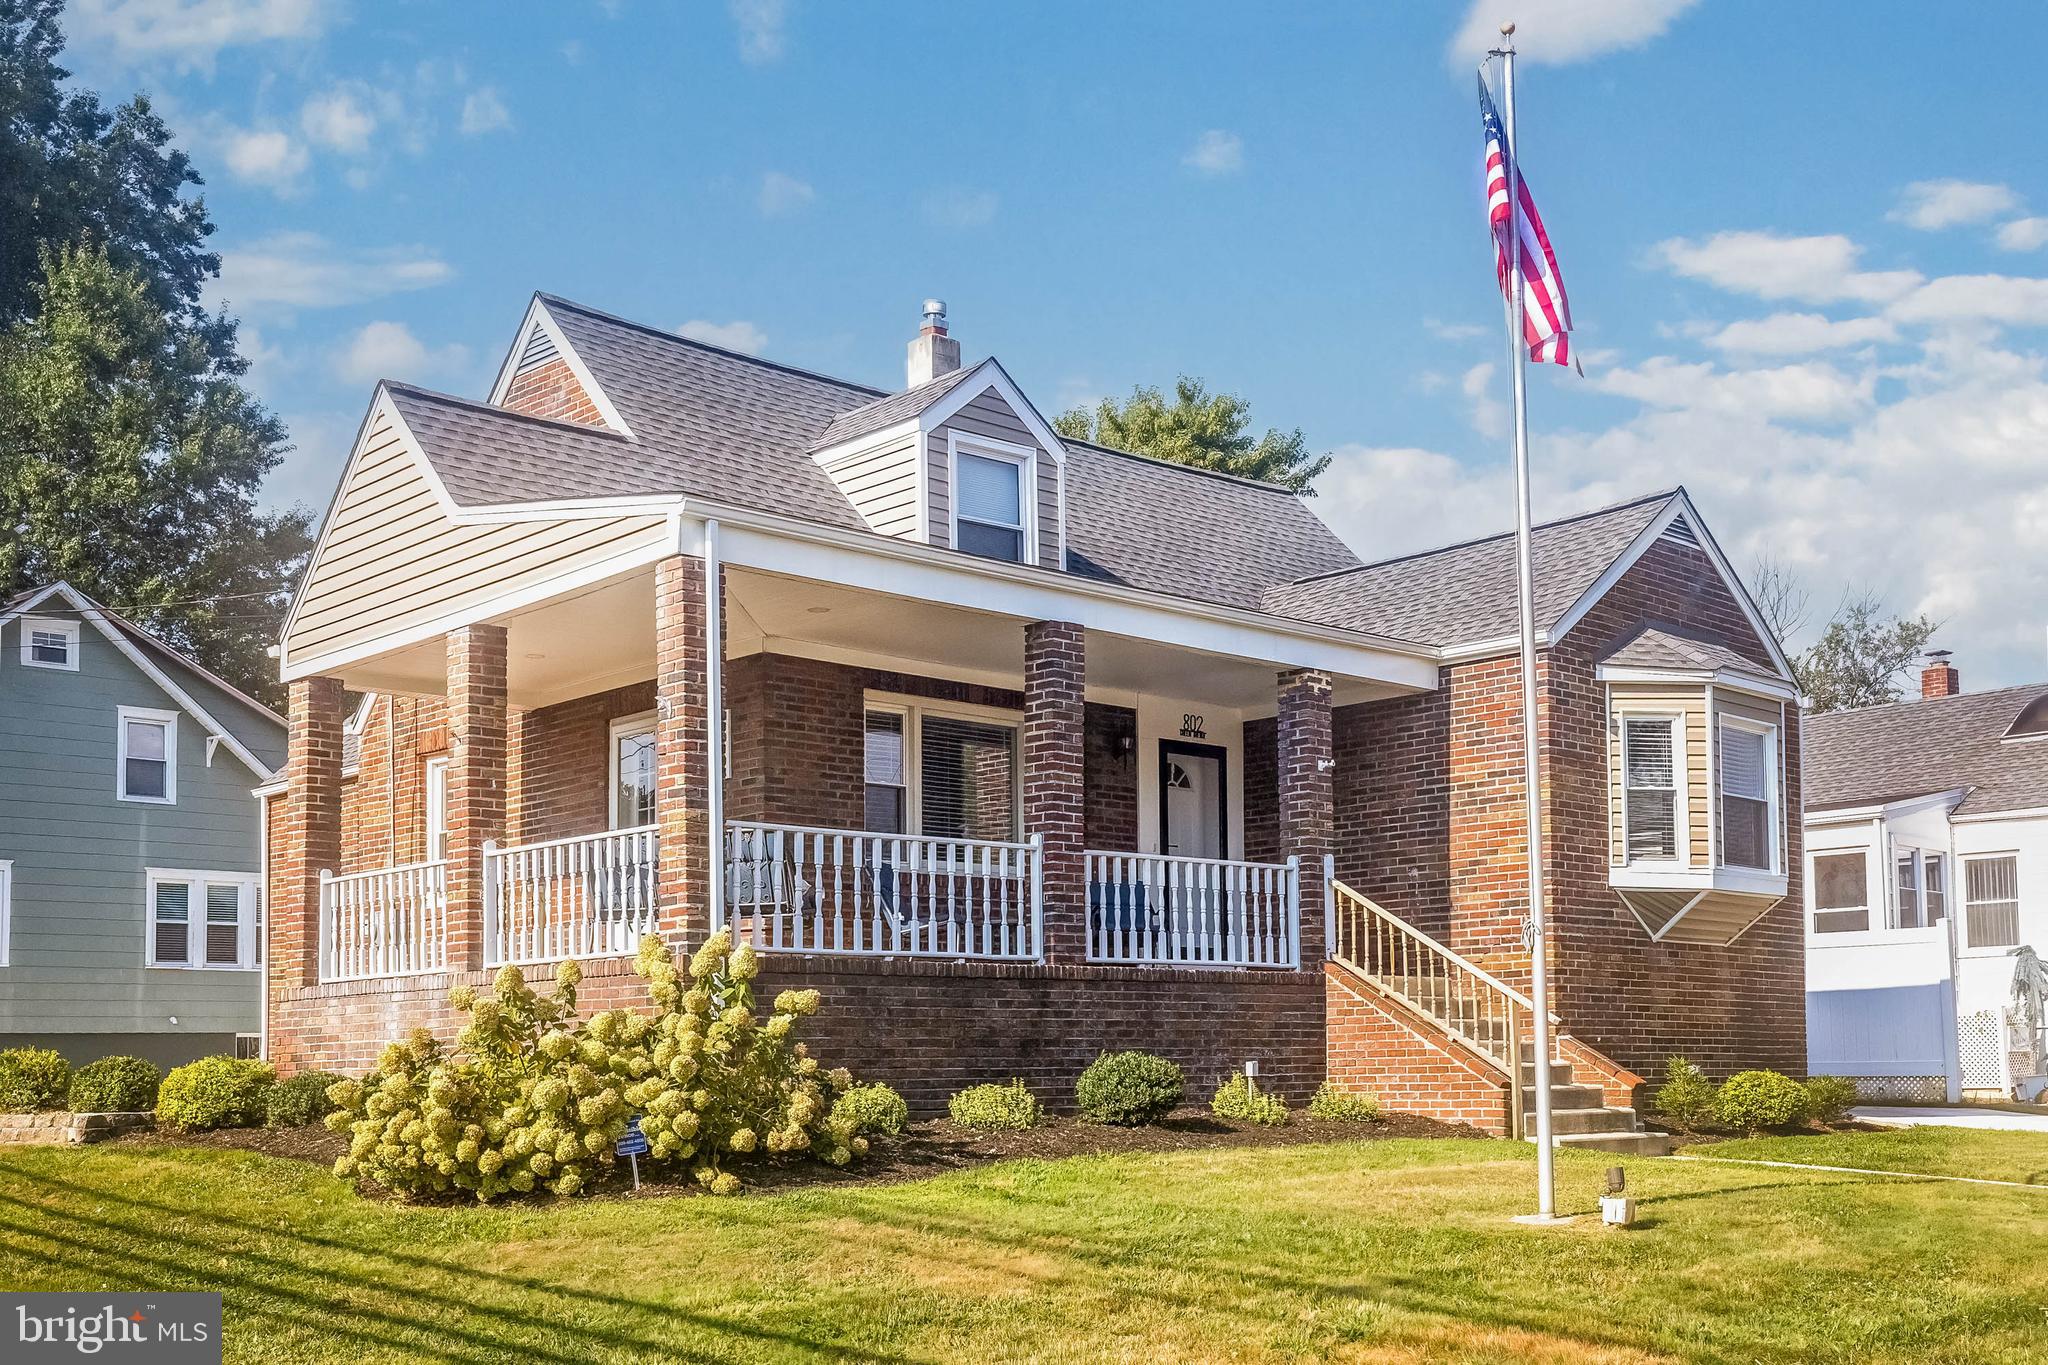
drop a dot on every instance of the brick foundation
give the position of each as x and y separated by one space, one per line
1375 1045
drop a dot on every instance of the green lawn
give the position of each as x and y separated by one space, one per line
1385 1251
2020 1157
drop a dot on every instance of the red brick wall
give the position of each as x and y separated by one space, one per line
1055 681
1112 778
1262 791
552 390
563 762
1376 1046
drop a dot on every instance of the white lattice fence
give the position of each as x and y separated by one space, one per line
1981 1045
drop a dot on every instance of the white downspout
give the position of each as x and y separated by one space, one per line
714 717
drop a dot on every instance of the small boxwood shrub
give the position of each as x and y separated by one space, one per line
1130 1088
299 1100
1333 1102
114 1085
873 1108
214 1092
1829 1098
996 1107
32 1078
1752 1101
1686 1099
1237 1098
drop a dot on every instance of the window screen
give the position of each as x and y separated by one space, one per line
1841 893
171 921
1651 800
146 769
223 924
1745 799
886 808
969 775
989 511
1935 887
1906 905
1991 899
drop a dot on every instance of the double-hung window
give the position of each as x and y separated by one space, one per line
1920 889
146 755
940 772
1991 901
47 642
437 808
632 772
1748 795
1650 747
992 502
1841 892
201 919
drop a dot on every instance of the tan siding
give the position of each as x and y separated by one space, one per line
393 559
988 415
882 486
1665 699
1720 916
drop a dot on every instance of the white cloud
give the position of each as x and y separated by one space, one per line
961 208
389 350
1453 331
1819 269
1561 31
2011 299
2024 234
191 32
1931 205
483 111
269 157
1488 414
1806 392
1216 152
763 26
1800 334
784 194
339 120
738 335
291 270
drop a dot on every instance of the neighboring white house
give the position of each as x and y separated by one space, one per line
1927 891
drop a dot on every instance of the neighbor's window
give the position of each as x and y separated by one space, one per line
1921 899
988 511
886 803
1906 915
202 919
49 643
1934 887
1650 801
940 774
1841 893
633 772
146 761
1746 798
1991 901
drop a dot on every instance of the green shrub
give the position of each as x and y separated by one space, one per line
873 1109
532 1099
1130 1088
1752 1101
1686 1099
1237 1098
299 1100
32 1078
114 1085
1009 1107
1829 1098
1332 1102
215 1092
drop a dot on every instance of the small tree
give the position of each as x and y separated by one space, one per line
1860 656
1208 431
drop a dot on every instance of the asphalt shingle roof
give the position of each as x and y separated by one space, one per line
1466 593
1915 748
1666 646
887 412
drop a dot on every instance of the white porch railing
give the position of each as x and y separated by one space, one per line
1196 912
592 895
390 922
796 888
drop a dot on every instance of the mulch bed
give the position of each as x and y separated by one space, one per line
924 1149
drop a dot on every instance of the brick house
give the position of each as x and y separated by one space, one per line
1017 747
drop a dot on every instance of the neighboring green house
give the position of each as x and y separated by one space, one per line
130 839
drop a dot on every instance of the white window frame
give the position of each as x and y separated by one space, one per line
914 710
623 728
6 912
169 719
1969 907
434 794
49 625
988 448
1681 772
246 956
1773 795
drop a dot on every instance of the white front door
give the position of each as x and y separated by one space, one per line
1191 800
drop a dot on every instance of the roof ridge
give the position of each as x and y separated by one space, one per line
1984 695
679 339
478 405
1663 495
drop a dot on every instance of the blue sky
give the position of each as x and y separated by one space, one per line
1808 258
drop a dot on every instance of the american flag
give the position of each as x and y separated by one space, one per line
1546 312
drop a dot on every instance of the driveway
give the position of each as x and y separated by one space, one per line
1917 1116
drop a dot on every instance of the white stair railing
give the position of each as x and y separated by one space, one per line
1196 912
805 889
590 895
389 922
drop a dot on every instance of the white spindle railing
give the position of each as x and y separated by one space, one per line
795 888
390 922
1196 912
592 895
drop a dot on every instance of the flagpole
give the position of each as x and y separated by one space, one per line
1539 984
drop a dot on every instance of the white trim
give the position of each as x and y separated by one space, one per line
1861 815
1773 784
1714 782
1983 817
433 776
538 316
1662 877
967 390
246 957
1681 805
123 717
1723 678
641 723
6 912
49 625
914 710
1025 460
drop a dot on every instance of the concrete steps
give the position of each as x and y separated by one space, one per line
1580 1117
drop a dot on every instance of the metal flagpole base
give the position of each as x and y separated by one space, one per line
1546 1220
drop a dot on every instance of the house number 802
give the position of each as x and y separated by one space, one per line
1192 726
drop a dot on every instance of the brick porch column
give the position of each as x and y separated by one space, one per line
1306 794
1055 681
476 780
310 839
682 750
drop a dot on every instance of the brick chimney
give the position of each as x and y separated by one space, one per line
1939 678
932 352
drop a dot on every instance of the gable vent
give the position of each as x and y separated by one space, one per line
1680 532
540 349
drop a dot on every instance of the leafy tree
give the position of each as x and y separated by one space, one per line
130 462
1859 657
1209 431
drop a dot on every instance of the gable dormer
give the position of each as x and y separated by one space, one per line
959 460
542 376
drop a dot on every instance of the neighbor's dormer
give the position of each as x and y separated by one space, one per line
959 459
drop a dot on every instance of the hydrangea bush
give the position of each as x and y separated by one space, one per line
530 1099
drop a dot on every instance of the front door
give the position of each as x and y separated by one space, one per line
1191 800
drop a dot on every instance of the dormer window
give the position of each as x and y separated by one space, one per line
991 514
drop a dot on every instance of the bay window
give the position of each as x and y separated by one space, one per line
1748 764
